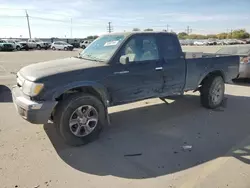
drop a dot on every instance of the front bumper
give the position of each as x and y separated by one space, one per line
32 111
71 47
7 49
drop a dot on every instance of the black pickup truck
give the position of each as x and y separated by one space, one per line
116 69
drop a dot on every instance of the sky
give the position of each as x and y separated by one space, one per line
81 18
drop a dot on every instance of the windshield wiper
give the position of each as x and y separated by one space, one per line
91 58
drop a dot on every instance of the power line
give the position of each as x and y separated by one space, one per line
9 16
81 24
49 19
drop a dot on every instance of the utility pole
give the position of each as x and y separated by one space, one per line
110 28
28 21
167 27
189 30
71 27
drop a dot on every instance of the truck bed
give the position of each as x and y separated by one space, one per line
198 66
194 55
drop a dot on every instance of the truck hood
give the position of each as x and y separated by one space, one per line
41 70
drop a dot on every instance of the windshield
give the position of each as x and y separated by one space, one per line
236 50
62 42
102 48
38 40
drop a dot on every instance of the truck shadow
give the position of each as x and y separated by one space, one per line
160 139
5 94
242 82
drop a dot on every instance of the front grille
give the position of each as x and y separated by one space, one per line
7 45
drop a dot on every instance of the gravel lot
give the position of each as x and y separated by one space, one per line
33 156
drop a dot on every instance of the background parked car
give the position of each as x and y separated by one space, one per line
36 44
5 46
74 43
212 42
85 43
17 46
61 45
244 53
247 41
200 43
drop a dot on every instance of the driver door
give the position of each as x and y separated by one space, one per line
141 77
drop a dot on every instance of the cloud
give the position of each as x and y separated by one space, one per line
92 16
187 17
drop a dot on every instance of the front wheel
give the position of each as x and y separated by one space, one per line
53 48
38 47
65 48
18 48
79 119
212 92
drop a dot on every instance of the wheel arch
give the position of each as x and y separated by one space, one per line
95 89
211 73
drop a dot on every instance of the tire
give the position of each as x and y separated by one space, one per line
65 48
66 110
18 48
212 92
53 48
38 47
83 47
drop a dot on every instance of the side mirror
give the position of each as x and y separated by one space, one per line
124 59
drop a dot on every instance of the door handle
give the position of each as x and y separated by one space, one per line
158 68
122 72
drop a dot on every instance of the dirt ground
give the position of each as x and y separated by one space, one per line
149 143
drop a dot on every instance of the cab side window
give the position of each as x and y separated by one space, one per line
170 47
141 48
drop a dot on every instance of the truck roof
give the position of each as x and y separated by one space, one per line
140 32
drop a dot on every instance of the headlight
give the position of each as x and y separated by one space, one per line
31 88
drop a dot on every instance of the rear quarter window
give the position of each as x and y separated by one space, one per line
170 47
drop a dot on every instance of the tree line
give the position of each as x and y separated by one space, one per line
236 34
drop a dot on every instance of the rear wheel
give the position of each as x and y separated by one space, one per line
18 48
53 48
212 92
38 47
79 119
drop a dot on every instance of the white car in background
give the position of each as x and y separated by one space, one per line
16 45
200 43
61 45
85 43
244 53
